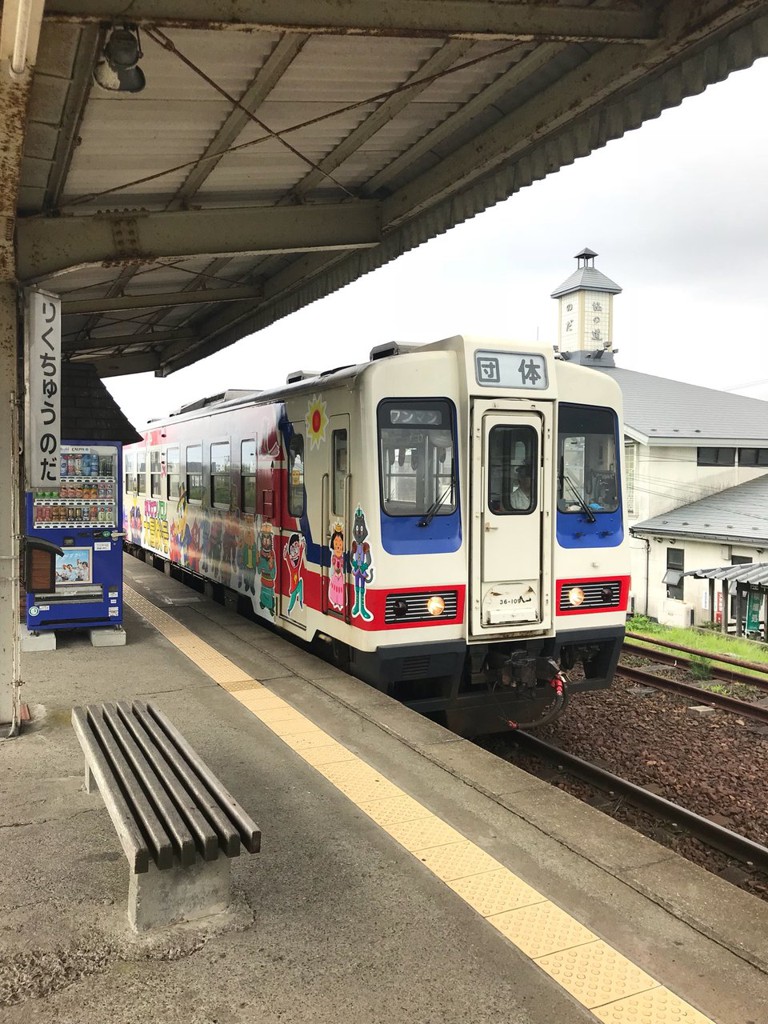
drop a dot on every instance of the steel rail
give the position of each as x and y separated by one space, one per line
756 666
723 839
726 675
715 700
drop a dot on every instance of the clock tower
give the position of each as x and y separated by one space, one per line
586 310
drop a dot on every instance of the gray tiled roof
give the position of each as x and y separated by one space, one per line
664 411
736 515
587 277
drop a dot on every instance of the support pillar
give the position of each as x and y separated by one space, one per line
9 497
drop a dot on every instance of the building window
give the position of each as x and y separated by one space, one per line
173 474
248 476
220 483
296 470
715 456
630 461
753 456
194 469
673 577
155 473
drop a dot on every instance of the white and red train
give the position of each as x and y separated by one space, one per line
445 520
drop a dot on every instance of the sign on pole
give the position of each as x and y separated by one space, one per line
43 356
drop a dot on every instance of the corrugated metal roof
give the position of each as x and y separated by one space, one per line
736 515
755 574
396 122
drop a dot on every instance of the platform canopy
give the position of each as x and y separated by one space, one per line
183 173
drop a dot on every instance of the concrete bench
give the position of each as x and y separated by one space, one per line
176 822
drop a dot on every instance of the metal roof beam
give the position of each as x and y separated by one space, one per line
127 341
120 366
150 301
47 247
464 19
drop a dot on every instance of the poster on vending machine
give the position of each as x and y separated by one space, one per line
74 566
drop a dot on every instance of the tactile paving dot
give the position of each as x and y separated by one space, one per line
306 739
423 833
457 860
393 809
260 700
493 892
596 974
659 1006
280 714
542 928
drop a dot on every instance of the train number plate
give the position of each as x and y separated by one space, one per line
510 602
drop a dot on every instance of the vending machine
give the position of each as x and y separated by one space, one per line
81 519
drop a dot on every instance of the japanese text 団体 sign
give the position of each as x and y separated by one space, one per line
43 322
511 370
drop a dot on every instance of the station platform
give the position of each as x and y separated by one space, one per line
405 874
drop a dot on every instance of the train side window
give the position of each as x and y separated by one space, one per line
129 469
194 469
155 473
248 476
220 478
296 476
141 470
339 470
512 458
173 474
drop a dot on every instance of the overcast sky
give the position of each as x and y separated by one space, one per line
677 211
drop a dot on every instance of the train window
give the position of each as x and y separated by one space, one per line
587 477
296 479
141 470
417 457
220 479
155 473
129 469
195 472
248 476
173 474
512 461
339 470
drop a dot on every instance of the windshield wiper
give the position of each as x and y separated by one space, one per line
582 503
436 505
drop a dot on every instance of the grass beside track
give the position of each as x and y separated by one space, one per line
703 640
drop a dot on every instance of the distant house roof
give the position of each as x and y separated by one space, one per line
659 411
755 574
736 515
88 411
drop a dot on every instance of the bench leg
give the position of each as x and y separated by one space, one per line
90 782
157 898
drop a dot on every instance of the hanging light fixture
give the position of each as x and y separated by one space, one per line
118 69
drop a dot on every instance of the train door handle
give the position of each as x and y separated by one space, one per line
488 527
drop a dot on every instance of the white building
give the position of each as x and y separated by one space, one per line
682 444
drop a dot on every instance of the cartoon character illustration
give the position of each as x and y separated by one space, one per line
193 551
215 549
246 558
362 564
267 569
336 579
134 520
183 534
293 555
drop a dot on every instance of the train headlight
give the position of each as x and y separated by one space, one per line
576 596
435 605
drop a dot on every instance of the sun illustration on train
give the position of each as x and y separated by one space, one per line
316 420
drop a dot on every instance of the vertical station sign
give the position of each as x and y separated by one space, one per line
43 366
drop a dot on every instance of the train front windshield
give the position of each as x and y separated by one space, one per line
417 457
587 467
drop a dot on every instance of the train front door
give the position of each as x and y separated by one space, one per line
509 587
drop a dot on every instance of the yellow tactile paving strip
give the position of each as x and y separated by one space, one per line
615 990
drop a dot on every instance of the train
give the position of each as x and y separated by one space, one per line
444 521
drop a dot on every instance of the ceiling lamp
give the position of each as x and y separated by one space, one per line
118 70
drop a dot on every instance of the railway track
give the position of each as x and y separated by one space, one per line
713 835
718 671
